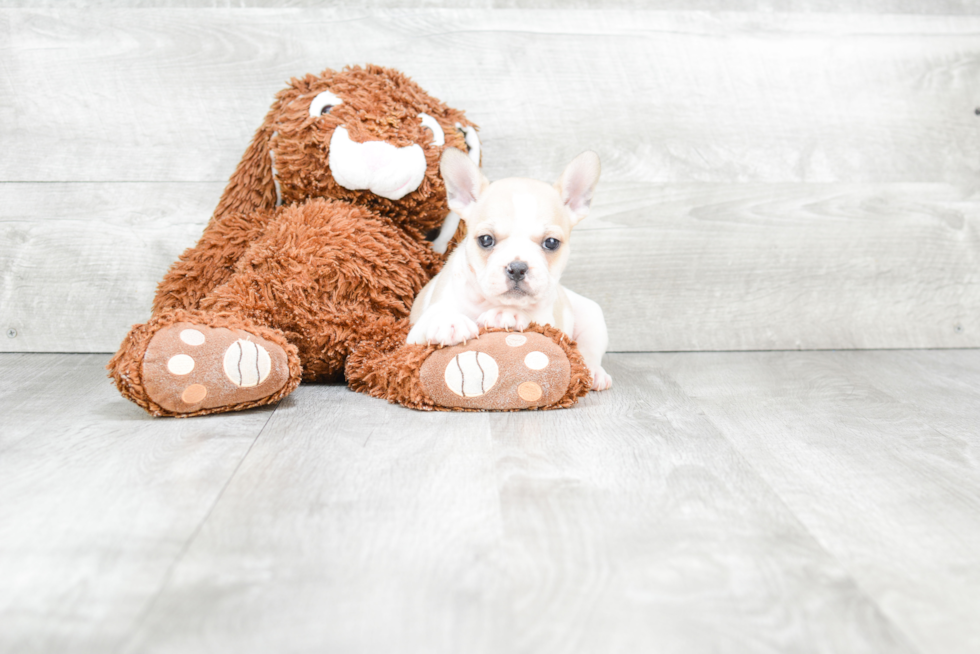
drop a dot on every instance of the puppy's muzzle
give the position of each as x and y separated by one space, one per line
516 270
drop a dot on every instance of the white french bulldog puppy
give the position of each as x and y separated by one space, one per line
505 273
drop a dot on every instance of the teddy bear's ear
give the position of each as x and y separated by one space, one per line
577 184
464 181
251 186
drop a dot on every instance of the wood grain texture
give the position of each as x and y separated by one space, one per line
711 502
626 524
632 525
872 473
771 180
174 94
79 263
941 387
97 501
353 526
945 7
756 267
675 267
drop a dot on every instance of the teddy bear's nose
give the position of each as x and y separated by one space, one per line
377 166
376 158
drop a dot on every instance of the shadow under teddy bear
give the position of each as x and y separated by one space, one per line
309 266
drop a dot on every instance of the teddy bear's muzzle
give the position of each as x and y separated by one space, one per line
376 166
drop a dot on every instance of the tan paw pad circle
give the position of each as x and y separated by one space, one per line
194 394
471 374
497 371
246 363
529 391
188 368
180 364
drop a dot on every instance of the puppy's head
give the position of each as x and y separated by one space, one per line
517 230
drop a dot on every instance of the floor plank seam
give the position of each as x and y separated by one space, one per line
124 645
912 644
912 402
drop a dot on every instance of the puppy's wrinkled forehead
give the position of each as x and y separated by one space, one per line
518 204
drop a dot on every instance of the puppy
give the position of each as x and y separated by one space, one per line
505 273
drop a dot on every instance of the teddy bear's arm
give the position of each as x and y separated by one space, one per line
211 262
246 207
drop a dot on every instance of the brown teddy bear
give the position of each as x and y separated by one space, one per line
310 264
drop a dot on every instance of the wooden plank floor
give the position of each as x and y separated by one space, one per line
712 502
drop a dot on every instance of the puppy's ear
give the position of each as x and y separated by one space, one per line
464 181
251 186
577 184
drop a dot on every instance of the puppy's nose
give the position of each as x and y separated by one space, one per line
516 270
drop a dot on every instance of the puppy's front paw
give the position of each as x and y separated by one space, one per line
601 381
504 319
443 330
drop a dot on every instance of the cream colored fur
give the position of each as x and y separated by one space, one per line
506 272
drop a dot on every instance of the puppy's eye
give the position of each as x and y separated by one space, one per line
551 244
430 123
486 241
323 103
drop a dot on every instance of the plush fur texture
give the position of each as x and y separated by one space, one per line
330 274
126 367
379 104
390 370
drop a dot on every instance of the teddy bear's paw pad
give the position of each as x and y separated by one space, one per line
498 371
190 367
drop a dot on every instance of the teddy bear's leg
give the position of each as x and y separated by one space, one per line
539 368
323 273
185 363
211 261
246 207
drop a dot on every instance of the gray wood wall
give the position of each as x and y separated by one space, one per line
802 178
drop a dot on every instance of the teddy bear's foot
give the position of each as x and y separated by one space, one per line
499 371
191 368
